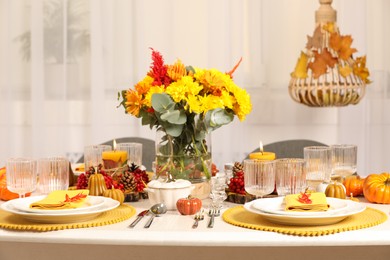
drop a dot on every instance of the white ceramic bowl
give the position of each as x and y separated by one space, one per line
168 192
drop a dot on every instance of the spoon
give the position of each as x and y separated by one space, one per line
156 210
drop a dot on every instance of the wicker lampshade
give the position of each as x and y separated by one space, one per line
326 73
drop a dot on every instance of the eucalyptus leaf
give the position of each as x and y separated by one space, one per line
162 102
217 118
177 117
173 130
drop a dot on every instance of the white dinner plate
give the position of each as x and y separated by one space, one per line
23 204
79 216
277 205
308 220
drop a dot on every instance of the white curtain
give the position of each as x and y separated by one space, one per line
62 63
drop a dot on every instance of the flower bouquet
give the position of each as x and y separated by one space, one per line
185 104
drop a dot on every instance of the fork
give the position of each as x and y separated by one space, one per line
198 216
213 213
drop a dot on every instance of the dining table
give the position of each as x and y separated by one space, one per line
171 236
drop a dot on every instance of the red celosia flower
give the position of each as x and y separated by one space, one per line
158 70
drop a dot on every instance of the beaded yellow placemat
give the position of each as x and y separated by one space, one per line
238 216
16 222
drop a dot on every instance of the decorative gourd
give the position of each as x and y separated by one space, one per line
114 194
353 185
189 205
335 190
6 194
96 184
376 188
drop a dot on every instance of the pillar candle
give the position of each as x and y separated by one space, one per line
114 159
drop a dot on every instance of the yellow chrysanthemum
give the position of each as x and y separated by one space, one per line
243 105
144 85
194 105
176 71
133 102
148 97
211 102
181 89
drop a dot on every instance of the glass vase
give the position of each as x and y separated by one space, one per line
187 157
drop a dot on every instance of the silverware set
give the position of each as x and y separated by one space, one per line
159 209
155 211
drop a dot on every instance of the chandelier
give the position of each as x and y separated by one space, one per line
327 74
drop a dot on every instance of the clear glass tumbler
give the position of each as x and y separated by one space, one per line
259 177
21 175
93 155
134 152
290 176
344 158
318 161
53 174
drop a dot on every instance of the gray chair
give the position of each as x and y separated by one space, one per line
289 148
148 149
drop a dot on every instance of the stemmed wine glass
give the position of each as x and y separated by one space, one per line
259 177
21 175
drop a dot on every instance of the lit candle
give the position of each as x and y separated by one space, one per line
264 156
114 159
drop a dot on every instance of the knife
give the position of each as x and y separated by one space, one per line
139 217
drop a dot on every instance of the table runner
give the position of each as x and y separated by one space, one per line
12 221
238 216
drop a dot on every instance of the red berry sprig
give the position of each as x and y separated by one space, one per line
236 184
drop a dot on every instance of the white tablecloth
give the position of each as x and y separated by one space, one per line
171 235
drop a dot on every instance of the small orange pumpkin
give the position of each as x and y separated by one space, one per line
189 205
353 185
376 188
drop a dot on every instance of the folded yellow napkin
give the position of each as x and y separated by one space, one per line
316 202
62 199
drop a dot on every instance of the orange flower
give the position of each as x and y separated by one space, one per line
133 102
212 83
176 71
144 85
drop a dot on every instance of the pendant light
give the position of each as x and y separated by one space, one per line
327 74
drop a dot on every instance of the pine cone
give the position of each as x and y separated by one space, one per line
237 167
128 181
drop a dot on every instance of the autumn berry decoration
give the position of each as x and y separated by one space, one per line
189 205
236 183
376 188
134 179
82 180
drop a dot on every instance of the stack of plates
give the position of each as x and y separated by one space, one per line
94 206
272 209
